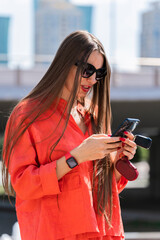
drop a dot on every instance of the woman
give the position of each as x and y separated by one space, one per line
58 150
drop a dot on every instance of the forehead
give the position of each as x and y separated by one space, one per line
96 59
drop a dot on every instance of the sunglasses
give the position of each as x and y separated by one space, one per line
88 70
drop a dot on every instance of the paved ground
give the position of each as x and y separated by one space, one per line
142 236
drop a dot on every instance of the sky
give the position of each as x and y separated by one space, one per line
115 22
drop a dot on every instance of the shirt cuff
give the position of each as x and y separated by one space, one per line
50 184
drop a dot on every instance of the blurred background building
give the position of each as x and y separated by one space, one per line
150 36
54 20
4 36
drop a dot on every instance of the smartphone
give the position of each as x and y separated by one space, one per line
129 124
123 165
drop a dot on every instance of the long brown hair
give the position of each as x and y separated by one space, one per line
77 46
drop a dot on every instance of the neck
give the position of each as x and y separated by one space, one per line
66 94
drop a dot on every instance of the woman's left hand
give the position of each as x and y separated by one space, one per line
129 147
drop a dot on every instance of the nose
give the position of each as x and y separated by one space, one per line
92 79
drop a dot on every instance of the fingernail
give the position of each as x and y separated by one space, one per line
125 132
123 144
119 148
122 139
109 135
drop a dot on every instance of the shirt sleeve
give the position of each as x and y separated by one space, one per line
29 179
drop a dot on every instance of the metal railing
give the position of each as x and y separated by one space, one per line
14 71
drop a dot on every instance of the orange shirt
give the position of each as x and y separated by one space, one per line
51 209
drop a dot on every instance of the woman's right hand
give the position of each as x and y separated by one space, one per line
97 146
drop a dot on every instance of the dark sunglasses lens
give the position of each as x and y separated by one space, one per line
88 70
100 73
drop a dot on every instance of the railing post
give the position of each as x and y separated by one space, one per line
156 76
18 76
113 74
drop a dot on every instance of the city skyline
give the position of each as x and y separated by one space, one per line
119 37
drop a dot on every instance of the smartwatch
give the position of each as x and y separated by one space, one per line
70 160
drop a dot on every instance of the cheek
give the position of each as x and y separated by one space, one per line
68 85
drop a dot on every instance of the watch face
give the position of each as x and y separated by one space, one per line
71 162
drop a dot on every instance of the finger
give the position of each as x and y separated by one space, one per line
114 145
100 135
128 154
128 142
112 139
105 139
130 149
129 135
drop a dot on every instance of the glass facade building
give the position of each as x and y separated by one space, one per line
54 20
150 34
86 20
4 31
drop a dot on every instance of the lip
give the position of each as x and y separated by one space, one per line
85 88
